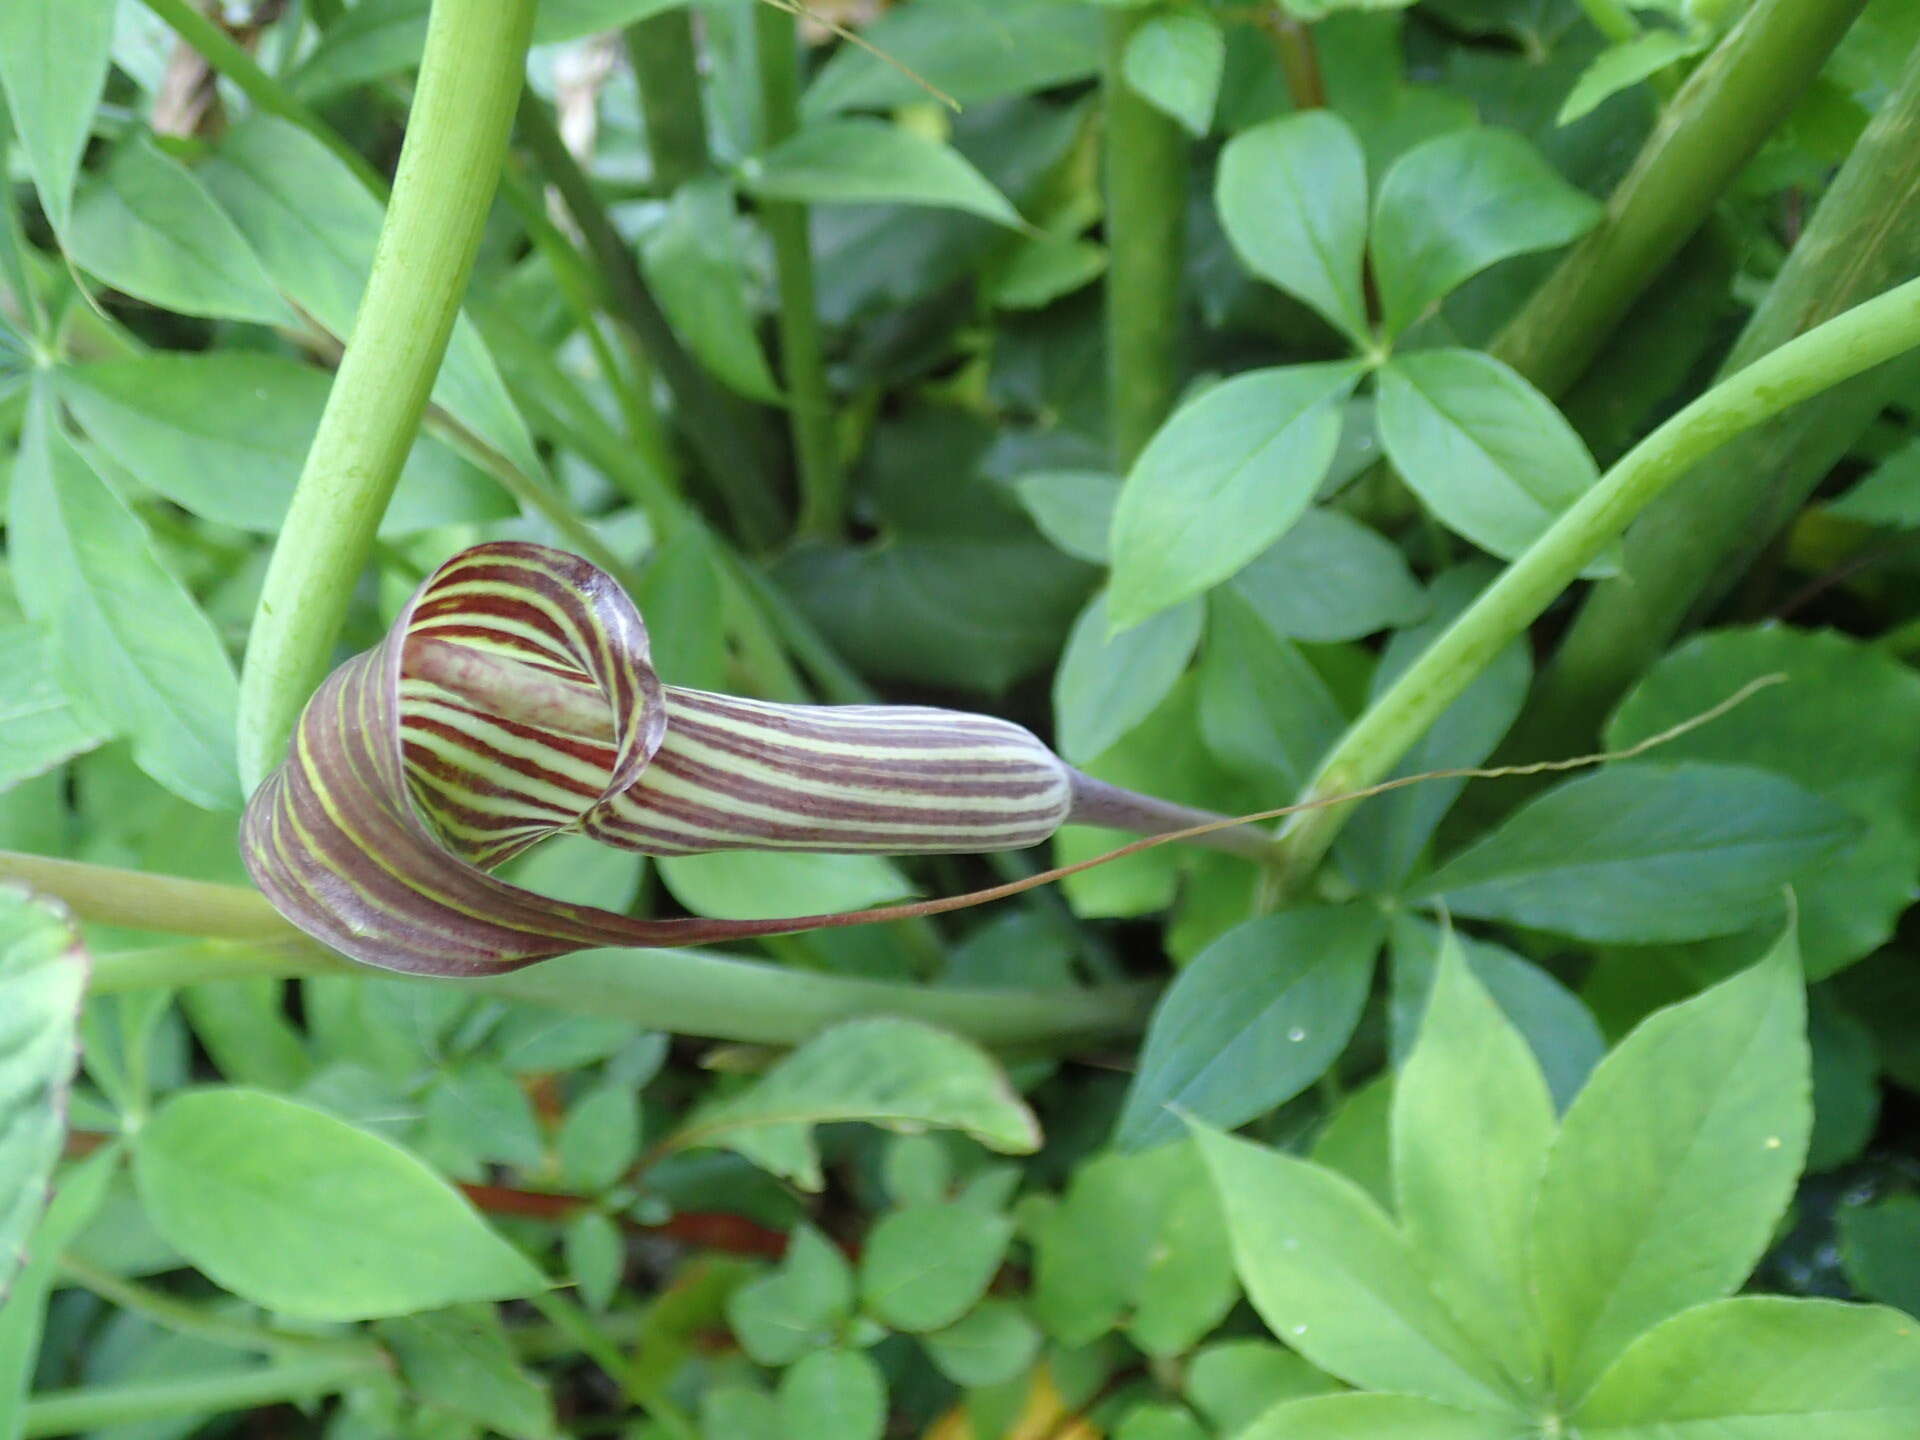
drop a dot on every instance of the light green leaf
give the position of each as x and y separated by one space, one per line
1451 207
1380 1417
924 1266
1673 1166
896 1073
762 884
596 1256
54 56
871 162
989 1346
1175 59
224 433
1328 579
148 227
1643 852
479 1108
128 640
833 1395
1337 1282
305 1214
1230 1382
1465 1192
459 1361
1221 480
1107 684
1292 194
1252 1021
799 1307
1762 1367
1626 64
1073 509
693 261
600 1138
1487 453
39 726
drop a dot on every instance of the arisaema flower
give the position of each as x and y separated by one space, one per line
514 700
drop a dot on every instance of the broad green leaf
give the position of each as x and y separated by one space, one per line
897 1073
1107 684
43 977
1645 852
224 433
1337 1282
1889 495
1073 509
313 226
1328 579
1761 1367
693 261
924 1266
1187 1285
797 1308
76 1200
757 884
974 50
1221 480
1231 1382
1265 712
871 162
1292 194
1462 201
459 1361
54 56
1487 453
128 640
1175 59
1472 1120
39 726
1880 1248
833 1395
1380 1417
1628 63
989 1346
146 226
1045 268
1252 1021
305 1214
1673 1166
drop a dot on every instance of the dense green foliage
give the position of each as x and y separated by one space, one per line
1259 401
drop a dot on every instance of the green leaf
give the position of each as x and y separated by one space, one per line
479 1108
1673 1166
758 884
1292 195
1159 1422
1379 1417
1486 452
1646 852
886 1072
1221 480
1337 1282
1073 509
39 726
872 162
1264 710
54 56
1880 1249
974 50
305 1214
1466 1208
1462 201
128 640
43 978
833 1395
459 1361
146 226
1107 684
224 433
1760 1367
1041 270
76 1200
733 1412
990 1345
600 1138
596 1257
693 262
925 1266
1187 1285
1328 579
1889 495
1252 1021
1231 1382
1175 59
1628 63
799 1307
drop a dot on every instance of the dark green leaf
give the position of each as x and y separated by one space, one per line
1889 495
1880 1247
1329 578
873 162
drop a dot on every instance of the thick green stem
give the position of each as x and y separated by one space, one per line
666 67
1686 550
1843 347
686 991
1712 128
1147 160
462 112
823 498
79 1412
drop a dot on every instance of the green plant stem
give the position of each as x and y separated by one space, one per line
723 430
1299 58
1147 161
687 991
76 1412
1844 346
823 499
184 1318
1687 550
601 1348
1731 103
666 66
470 78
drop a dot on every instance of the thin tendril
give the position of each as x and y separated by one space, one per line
802 11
